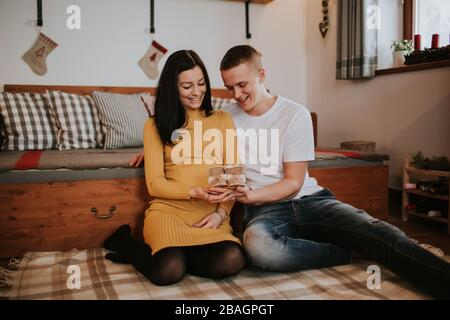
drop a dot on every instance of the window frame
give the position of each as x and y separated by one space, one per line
408 16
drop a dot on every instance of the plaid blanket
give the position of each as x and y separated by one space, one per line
87 275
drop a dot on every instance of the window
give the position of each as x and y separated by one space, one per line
427 17
430 17
402 20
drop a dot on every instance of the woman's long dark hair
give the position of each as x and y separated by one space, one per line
169 112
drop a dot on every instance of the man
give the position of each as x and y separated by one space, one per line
291 223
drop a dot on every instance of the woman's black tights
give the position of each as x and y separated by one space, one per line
169 265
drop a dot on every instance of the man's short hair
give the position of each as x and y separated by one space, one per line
241 54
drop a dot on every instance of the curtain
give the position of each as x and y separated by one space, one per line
357 39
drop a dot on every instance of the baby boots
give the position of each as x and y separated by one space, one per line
217 177
235 176
231 176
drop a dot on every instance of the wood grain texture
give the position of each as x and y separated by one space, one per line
253 1
57 215
363 187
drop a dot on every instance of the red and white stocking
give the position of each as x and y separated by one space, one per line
149 62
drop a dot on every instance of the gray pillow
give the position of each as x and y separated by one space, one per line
78 120
123 117
219 103
27 122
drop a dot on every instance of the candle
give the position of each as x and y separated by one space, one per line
417 45
435 41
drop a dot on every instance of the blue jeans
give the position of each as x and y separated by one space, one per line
318 231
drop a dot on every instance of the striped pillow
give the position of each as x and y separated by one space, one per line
123 116
219 103
27 122
78 121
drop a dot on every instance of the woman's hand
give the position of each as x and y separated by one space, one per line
212 221
202 194
217 190
137 161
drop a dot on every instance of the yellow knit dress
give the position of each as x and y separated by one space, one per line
170 217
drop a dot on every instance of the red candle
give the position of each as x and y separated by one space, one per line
417 45
435 41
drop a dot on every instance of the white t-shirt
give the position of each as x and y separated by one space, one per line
283 133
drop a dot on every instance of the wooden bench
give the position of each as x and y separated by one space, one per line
59 215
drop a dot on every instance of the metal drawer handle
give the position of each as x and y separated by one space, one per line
105 216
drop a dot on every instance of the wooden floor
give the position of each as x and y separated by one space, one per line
424 231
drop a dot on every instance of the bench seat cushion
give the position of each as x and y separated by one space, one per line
119 158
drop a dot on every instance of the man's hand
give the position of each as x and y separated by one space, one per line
202 194
212 221
244 195
137 160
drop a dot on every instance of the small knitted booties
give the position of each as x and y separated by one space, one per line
235 176
217 177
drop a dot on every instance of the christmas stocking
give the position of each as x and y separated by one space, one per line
149 62
35 57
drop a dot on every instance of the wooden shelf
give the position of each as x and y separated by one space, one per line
429 195
253 1
408 171
424 216
428 172
414 67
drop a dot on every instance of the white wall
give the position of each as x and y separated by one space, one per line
112 39
403 113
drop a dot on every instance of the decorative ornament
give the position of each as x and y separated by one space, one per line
149 62
428 55
440 163
325 24
36 55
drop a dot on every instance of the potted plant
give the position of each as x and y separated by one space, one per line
400 49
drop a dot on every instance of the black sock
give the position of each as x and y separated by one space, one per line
116 241
139 254
116 257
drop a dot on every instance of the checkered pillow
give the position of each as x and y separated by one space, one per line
123 116
219 103
27 122
78 120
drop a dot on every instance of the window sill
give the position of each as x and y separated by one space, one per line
414 67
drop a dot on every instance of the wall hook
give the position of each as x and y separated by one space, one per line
152 17
247 20
40 22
